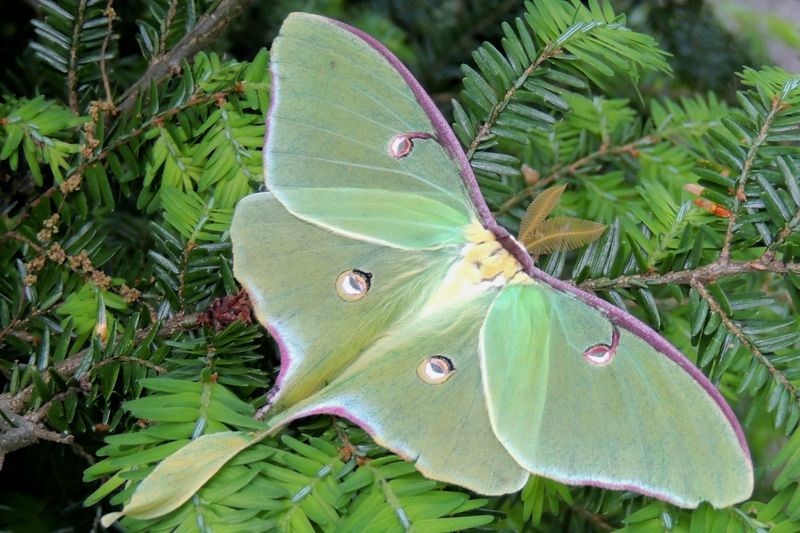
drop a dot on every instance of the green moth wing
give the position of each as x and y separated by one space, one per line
377 264
359 359
576 397
399 303
417 392
291 270
344 120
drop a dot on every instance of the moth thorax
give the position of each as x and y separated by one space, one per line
484 265
491 263
487 259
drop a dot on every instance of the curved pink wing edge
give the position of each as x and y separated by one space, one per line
448 140
286 360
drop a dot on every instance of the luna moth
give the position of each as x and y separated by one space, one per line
400 304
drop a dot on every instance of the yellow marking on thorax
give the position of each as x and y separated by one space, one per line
488 256
484 265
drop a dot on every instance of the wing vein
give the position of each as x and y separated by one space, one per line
411 175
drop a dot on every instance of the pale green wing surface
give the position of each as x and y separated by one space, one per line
290 269
631 418
333 156
443 426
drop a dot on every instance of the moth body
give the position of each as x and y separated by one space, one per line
395 296
483 265
399 303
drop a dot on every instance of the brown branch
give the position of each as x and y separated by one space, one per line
46 195
578 165
698 278
348 450
17 236
40 414
127 359
604 150
777 106
89 458
705 274
15 327
206 30
80 264
597 520
71 184
72 72
17 432
162 43
110 15
67 368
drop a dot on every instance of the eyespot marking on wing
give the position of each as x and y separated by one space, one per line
435 369
401 144
602 354
352 285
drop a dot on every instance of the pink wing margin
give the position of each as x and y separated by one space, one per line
448 140
446 137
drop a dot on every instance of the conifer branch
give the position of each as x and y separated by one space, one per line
75 179
576 167
784 234
40 414
162 44
347 449
80 264
17 432
66 369
172 238
597 520
777 106
483 132
126 359
390 496
705 274
737 332
14 325
111 15
206 30
72 72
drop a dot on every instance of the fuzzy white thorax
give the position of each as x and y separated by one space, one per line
483 265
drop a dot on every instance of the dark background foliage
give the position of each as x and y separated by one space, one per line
432 38
142 244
